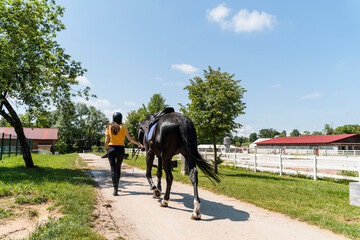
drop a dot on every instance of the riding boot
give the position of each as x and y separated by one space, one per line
117 181
114 180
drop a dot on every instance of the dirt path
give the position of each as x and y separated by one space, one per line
136 215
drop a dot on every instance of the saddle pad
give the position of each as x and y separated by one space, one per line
150 133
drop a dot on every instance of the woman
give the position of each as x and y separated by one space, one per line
114 145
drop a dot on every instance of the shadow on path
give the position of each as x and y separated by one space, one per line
215 210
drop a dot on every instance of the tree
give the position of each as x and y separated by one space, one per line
316 133
328 130
253 137
348 129
65 122
216 101
4 123
239 140
37 119
132 123
96 122
79 126
156 103
283 133
268 133
295 133
35 71
306 133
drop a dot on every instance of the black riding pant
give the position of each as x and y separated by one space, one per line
116 155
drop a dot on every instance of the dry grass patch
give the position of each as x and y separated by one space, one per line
20 220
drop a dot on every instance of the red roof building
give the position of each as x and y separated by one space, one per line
42 138
321 142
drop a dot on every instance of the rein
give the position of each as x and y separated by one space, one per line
136 154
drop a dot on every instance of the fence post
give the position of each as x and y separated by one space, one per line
280 164
16 148
235 159
255 162
9 145
315 168
31 146
2 146
359 169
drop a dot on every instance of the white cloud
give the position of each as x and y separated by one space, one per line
185 68
218 14
311 96
244 131
130 104
242 21
245 21
98 103
83 81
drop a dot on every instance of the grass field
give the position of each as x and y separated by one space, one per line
57 181
322 203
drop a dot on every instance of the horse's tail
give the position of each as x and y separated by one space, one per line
188 133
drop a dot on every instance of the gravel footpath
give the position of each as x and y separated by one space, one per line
134 214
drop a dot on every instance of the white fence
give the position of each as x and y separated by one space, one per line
322 152
315 166
309 165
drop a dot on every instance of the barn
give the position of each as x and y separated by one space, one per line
323 144
43 139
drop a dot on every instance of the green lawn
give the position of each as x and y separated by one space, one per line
57 181
322 203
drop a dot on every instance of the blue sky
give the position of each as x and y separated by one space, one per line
299 61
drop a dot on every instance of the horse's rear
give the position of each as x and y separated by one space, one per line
175 133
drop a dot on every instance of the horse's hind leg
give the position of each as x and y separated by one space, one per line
194 179
157 191
169 180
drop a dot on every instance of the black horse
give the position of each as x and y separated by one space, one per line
173 133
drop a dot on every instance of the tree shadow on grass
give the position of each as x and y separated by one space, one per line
15 175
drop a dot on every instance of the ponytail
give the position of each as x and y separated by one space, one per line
115 127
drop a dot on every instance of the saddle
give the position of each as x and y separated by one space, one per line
153 119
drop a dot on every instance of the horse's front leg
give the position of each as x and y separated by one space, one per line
149 164
169 180
194 180
157 191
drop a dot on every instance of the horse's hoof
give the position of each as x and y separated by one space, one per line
157 193
164 203
195 216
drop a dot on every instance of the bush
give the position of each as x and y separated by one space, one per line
60 146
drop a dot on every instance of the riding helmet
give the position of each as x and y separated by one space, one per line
117 117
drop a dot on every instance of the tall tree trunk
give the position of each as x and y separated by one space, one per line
215 155
14 121
24 145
